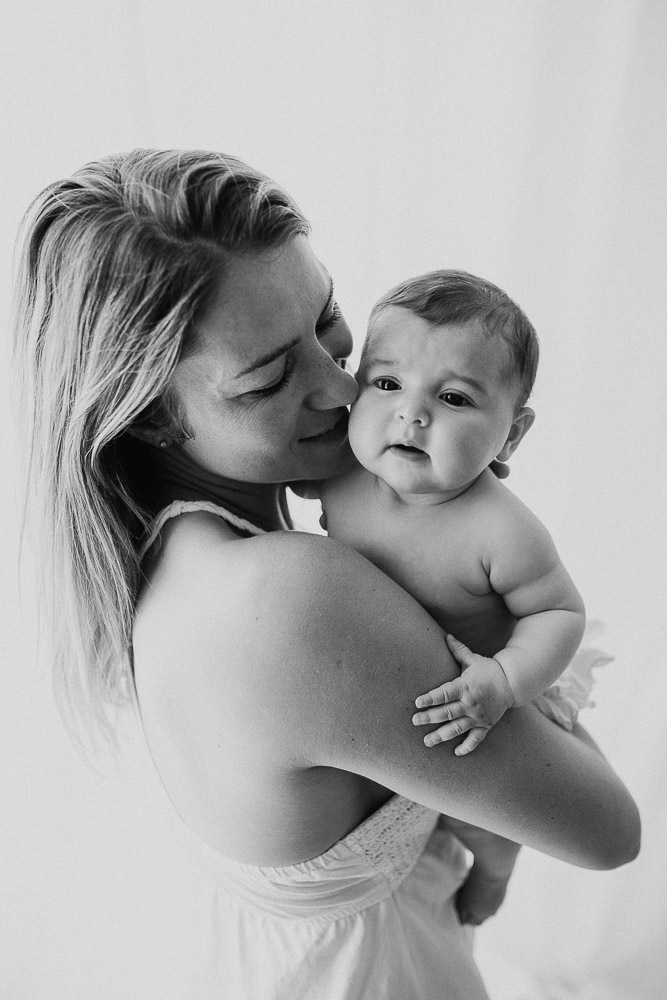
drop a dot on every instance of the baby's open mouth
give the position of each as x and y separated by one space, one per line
409 447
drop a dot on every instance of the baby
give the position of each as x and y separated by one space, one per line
447 367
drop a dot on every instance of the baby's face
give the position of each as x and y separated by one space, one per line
435 403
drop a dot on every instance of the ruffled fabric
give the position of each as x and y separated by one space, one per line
373 916
563 701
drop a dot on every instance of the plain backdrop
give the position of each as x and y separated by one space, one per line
523 140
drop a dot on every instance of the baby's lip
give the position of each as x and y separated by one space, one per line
406 445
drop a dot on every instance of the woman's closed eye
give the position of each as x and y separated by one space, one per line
273 388
326 323
338 344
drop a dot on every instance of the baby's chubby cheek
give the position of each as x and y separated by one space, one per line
364 432
358 426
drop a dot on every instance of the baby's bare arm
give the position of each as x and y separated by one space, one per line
523 567
526 570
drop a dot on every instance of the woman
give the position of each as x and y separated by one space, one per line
182 358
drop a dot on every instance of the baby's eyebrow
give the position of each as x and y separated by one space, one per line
385 362
472 382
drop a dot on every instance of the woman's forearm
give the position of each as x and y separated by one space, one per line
538 785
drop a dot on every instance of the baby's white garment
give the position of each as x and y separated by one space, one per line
571 692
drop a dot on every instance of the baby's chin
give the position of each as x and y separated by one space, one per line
419 485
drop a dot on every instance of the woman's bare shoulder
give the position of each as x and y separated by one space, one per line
227 677
304 655
261 608
279 573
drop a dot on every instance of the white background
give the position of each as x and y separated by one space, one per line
518 139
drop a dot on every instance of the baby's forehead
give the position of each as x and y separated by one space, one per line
401 339
401 328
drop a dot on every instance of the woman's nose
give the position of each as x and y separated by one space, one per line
332 385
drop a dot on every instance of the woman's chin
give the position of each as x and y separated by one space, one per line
325 461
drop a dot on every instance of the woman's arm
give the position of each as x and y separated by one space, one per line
331 653
364 647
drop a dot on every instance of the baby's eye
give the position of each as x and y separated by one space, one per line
455 399
386 384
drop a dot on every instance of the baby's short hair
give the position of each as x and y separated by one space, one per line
447 297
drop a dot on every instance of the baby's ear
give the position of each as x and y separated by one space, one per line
521 424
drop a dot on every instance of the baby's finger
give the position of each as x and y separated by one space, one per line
442 695
472 740
448 732
444 713
459 651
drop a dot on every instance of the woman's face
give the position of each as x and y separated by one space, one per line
264 393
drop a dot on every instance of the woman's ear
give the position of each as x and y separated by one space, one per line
154 436
521 424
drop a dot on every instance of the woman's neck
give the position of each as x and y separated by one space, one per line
175 476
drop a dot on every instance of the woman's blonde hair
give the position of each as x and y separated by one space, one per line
114 265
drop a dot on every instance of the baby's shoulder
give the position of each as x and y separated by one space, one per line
493 505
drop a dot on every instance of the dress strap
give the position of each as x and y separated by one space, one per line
187 507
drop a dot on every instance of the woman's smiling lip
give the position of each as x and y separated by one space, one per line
334 432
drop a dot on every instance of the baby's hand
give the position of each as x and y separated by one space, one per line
472 703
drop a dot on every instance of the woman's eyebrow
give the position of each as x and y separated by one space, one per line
266 359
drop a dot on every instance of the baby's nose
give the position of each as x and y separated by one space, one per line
412 412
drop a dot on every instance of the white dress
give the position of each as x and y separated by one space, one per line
372 918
